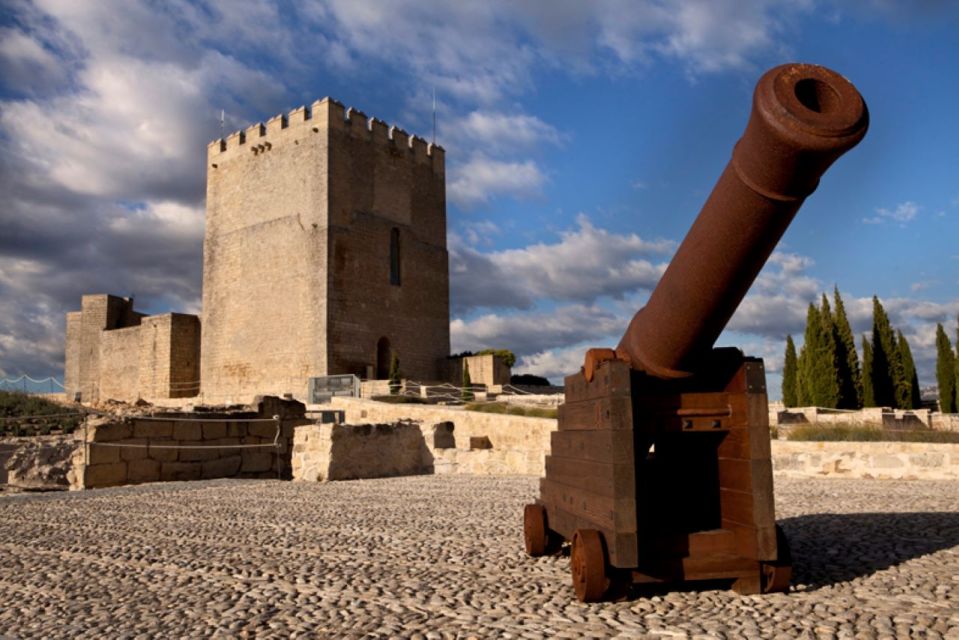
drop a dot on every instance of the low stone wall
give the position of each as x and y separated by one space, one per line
187 446
879 460
519 444
347 452
879 417
945 421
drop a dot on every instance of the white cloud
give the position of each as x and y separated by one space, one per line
498 132
902 213
482 178
554 364
528 333
586 264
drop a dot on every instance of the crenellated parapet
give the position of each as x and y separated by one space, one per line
289 128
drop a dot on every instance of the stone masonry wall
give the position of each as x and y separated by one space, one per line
300 212
879 460
264 257
114 352
381 180
519 444
186 446
486 370
119 370
347 452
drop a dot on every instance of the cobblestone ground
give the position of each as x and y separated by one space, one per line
436 556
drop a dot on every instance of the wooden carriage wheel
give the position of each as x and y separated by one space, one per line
588 565
776 575
535 532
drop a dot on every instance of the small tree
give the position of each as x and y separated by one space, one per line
913 398
945 372
467 391
394 375
868 395
789 374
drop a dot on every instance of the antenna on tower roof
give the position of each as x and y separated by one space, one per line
434 115
222 119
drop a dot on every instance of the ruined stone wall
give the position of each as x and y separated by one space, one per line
485 369
116 353
382 180
119 374
187 446
98 312
264 256
71 361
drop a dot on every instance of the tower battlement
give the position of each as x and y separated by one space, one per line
325 115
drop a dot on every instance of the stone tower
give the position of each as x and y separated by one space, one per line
325 252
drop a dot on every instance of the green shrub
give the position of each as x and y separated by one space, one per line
861 433
512 409
15 404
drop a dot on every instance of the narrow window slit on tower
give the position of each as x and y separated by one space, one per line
395 256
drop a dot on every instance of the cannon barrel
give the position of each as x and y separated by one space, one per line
803 118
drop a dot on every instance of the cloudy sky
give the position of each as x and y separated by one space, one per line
582 139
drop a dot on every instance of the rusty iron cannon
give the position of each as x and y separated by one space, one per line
660 470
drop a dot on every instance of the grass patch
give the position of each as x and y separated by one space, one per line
859 433
17 405
512 409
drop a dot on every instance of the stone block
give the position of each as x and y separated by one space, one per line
158 451
187 430
236 429
105 475
214 430
151 429
199 455
180 471
143 470
887 461
110 432
222 467
133 452
257 460
99 453
262 429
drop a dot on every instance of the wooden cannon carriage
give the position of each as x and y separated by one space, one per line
660 470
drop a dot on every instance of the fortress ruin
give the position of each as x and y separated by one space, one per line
324 253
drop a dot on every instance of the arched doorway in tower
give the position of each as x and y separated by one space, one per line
383 354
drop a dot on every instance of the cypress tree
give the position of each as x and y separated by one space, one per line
868 396
913 398
888 378
945 372
789 374
818 359
850 377
805 393
828 384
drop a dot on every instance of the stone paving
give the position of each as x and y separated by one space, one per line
441 557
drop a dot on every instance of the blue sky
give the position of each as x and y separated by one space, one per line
582 139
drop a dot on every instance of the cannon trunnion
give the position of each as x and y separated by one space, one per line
660 470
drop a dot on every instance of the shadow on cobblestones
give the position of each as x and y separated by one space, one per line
829 548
